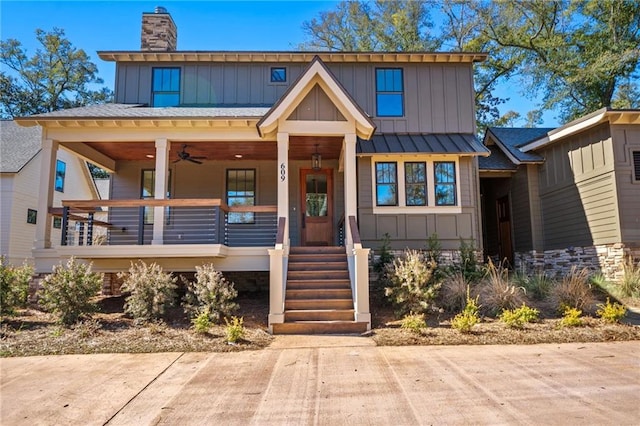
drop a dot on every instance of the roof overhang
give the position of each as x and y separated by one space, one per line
136 122
614 117
285 57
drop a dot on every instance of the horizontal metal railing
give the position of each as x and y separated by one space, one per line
186 221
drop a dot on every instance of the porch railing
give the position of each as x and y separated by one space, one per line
186 221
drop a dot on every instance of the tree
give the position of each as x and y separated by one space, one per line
57 76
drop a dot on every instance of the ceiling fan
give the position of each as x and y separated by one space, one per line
184 155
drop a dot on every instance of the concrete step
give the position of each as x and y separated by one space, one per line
320 327
319 315
319 293
318 266
318 304
318 284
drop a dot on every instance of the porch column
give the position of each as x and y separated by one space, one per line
283 178
160 190
49 155
350 185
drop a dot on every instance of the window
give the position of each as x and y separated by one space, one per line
386 184
32 216
61 170
278 75
148 190
445 183
57 222
166 87
389 92
241 191
636 165
415 186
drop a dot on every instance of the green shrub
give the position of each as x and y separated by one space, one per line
469 317
14 286
611 312
386 256
150 290
571 317
630 282
517 318
497 292
413 322
574 290
202 323
453 293
537 285
434 249
210 293
235 329
69 292
468 263
412 284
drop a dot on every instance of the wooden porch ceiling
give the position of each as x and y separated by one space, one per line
300 148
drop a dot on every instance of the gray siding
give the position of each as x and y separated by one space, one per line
438 98
626 139
520 211
577 191
413 230
316 106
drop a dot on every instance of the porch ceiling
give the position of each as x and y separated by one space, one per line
300 148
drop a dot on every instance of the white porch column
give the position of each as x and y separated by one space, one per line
45 197
160 190
350 185
283 177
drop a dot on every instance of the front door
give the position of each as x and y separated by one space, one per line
505 249
317 207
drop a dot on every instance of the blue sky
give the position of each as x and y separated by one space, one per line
202 25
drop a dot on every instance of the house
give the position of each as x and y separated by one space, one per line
289 165
554 198
20 163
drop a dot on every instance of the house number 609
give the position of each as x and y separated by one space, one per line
283 172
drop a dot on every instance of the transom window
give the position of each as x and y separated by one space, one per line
415 186
61 171
386 184
278 75
166 87
389 92
241 191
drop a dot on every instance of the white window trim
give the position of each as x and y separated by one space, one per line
402 208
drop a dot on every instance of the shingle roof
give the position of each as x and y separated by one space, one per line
18 145
511 138
134 111
433 143
496 161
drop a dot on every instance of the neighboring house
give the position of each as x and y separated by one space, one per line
289 164
554 198
21 161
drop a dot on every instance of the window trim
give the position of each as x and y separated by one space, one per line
153 92
402 208
255 194
62 171
286 75
32 216
377 92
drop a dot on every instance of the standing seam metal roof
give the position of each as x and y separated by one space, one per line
430 143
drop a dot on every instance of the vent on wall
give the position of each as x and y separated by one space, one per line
636 165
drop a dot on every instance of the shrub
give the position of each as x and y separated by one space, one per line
386 256
611 312
413 322
69 291
235 329
453 293
14 286
574 290
468 263
498 292
434 249
537 285
201 323
412 284
517 318
630 282
571 317
210 293
469 317
151 291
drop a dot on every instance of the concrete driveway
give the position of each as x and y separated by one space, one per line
330 381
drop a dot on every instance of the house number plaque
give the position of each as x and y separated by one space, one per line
283 172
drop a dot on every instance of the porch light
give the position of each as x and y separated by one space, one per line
316 160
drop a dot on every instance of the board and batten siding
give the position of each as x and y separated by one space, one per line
578 191
413 230
438 98
521 210
626 140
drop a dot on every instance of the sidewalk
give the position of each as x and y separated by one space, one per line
332 381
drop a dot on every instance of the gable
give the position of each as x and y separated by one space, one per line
317 106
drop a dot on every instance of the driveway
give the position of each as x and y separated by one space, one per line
332 381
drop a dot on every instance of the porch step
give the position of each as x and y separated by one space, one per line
317 250
294 315
318 284
308 265
315 304
320 327
319 293
319 275
317 259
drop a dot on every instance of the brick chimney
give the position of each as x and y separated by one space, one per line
159 32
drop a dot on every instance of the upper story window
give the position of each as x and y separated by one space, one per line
241 191
389 92
445 183
166 87
61 171
415 183
386 184
278 75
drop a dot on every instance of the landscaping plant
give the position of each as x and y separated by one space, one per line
611 312
517 318
630 282
235 329
69 292
413 322
453 293
574 290
14 286
469 317
151 291
571 317
498 292
210 294
202 323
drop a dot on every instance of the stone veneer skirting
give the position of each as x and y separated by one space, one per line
606 259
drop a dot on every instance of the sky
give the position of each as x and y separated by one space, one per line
202 25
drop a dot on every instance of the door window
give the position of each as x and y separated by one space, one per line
316 195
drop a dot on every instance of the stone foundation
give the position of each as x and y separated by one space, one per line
447 257
605 259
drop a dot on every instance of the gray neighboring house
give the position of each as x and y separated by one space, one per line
553 198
